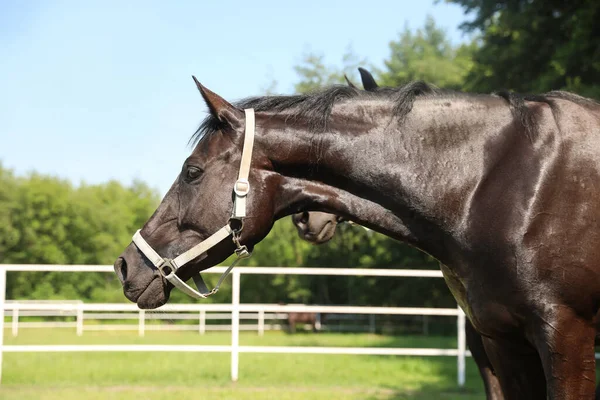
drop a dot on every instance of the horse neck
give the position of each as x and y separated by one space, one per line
423 170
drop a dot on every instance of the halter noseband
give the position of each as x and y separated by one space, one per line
241 188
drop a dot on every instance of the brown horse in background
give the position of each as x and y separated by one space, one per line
309 318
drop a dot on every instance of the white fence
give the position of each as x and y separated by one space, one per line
114 317
106 312
235 308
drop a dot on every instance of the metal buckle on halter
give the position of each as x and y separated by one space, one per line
167 265
236 225
241 187
241 250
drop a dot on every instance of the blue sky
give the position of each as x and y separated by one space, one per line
100 90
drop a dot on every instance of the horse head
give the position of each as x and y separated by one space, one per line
228 194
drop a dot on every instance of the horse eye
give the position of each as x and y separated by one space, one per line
192 173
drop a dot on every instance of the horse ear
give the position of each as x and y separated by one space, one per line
352 85
367 79
220 108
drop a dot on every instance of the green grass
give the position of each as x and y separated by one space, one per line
67 376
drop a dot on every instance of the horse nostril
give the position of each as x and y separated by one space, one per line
304 217
124 270
121 268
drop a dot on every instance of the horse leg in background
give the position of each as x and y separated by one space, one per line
312 321
493 391
291 323
518 369
318 321
565 343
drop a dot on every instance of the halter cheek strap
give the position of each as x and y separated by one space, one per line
241 188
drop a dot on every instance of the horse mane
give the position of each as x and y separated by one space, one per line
526 116
315 107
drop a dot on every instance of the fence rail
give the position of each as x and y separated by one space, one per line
235 309
106 311
257 313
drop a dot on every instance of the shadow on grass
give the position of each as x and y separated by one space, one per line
444 369
429 394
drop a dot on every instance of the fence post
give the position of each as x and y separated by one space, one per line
79 319
15 320
462 347
2 304
261 322
142 323
202 322
235 324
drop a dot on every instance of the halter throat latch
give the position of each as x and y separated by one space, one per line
241 250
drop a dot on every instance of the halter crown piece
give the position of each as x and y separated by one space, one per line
168 267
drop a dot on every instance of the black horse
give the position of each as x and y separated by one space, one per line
502 189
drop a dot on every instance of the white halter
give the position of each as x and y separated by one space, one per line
241 188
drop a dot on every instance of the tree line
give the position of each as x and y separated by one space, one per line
48 220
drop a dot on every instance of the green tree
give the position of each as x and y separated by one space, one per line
314 74
425 54
46 220
428 55
9 234
535 45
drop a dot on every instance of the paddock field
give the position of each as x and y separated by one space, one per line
70 376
